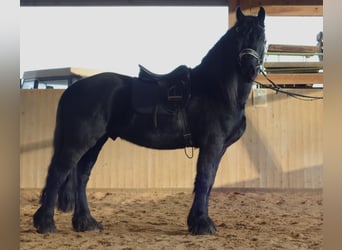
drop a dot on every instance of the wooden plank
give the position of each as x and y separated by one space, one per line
318 65
284 7
253 3
289 70
276 8
288 10
293 67
292 48
278 11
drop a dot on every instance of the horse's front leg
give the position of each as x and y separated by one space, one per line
209 158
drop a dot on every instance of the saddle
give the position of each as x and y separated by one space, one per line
158 94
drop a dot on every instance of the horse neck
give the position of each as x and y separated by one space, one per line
218 75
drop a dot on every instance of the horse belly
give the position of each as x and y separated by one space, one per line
155 140
142 131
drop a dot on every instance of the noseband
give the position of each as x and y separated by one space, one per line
250 52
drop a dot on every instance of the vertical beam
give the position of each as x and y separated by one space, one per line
232 5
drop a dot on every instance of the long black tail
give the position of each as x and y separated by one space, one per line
66 192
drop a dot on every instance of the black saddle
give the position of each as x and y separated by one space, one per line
179 72
158 94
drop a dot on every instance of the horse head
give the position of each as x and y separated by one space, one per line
250 35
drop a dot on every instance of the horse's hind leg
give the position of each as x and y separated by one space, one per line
59 169
82 219
64 161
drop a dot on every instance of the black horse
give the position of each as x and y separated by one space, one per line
208 115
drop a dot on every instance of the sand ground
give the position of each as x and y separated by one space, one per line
156 219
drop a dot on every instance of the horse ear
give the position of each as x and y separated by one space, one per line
239 13
261 15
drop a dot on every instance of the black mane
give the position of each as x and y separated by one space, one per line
218 72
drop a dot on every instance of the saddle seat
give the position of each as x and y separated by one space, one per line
177 73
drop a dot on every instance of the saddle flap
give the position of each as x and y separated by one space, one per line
156 94
145 96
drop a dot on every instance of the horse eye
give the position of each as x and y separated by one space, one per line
237 29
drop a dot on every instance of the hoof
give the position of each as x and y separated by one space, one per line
86 223
201 225
43 223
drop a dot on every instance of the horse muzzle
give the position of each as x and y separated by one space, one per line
249 61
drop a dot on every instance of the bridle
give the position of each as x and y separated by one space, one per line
251 52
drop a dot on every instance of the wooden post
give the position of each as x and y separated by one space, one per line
232 5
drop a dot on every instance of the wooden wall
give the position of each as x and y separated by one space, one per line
282 148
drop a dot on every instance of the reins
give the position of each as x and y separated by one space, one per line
279 89
274 86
